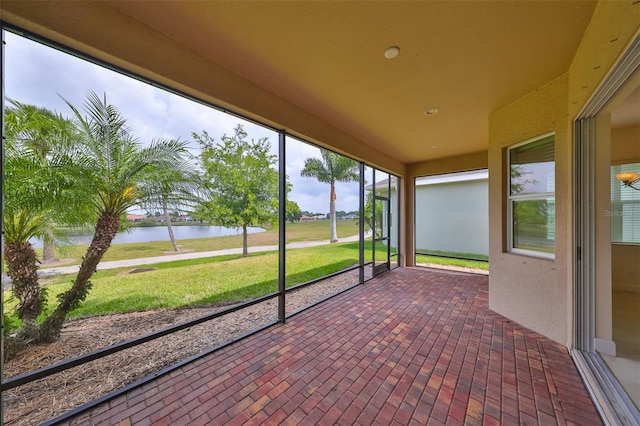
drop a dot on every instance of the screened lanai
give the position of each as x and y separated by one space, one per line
385 90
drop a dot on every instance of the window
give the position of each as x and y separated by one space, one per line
532 197
625 208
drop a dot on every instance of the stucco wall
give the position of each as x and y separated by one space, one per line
535 292
612 27
527 289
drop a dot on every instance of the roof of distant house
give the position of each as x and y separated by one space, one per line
136 217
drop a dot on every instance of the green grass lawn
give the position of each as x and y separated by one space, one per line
454 254
450 261
202 282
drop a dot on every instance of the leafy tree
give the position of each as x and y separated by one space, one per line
109 168
369 220
531 212
368 211
37 195
241 183
519 178
293 212
331 169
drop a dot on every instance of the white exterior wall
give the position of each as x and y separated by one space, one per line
453 215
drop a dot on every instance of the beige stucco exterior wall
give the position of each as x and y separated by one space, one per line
530 290
459 163
613 25
535 292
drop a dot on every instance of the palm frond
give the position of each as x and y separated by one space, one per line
314 167
332 168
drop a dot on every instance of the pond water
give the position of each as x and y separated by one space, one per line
160 233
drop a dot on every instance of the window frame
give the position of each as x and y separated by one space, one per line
534 196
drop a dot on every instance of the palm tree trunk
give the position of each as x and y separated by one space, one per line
332 215
22 268
245 250
48 247
106 229
167 218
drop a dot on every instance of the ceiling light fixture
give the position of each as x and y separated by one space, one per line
628 179
431 111
392 52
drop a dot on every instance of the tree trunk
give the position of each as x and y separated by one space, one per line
48 248
245 250
332 215
167 218
106 229
22 268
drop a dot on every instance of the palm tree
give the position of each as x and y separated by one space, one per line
110 167
36 195
40 134
171 189
22 265
331 169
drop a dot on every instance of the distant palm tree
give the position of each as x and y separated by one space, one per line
331 169
171 189
109 168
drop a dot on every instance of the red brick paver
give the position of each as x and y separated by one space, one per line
414 346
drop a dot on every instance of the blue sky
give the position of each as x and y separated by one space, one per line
39 75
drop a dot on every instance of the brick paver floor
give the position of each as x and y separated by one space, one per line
414 346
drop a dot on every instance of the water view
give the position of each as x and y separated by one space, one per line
160 233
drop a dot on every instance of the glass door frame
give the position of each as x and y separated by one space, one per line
384 231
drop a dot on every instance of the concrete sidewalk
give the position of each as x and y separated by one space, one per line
182 256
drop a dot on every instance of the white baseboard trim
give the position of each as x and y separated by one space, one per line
607 347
